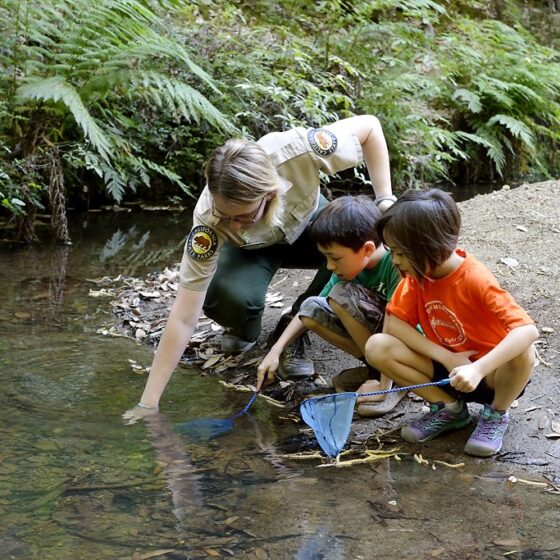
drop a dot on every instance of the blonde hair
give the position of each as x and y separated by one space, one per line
241 172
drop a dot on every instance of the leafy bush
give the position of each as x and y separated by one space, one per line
82 76
122 94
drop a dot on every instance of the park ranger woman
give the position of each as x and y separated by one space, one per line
250 220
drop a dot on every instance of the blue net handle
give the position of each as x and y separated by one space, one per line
247 407
445 381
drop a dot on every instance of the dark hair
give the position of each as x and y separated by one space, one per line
349 221
425 226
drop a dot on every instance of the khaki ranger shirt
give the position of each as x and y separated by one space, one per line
299 155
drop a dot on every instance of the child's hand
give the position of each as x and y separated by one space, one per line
466 378
457 359
266 371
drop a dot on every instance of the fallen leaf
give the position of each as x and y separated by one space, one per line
211 552
521 228
212 361
22 315
101 293
261 553
231 519
510 261
150 295
531 408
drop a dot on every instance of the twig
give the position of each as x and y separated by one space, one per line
528 482
247 389
370 457
450 465
303 456
541 359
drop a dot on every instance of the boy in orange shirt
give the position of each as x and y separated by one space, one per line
475 332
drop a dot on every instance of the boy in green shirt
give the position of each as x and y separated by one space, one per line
351 307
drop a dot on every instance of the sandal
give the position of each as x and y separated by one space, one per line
379 408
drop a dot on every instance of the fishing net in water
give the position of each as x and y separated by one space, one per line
330 416
204 429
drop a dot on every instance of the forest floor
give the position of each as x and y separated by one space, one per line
515 232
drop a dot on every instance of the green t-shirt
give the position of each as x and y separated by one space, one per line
383 278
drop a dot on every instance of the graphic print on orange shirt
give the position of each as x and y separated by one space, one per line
445 324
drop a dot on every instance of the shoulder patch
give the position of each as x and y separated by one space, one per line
202 243
323 141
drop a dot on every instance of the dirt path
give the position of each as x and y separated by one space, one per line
516 233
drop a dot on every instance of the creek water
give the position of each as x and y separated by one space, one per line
76 482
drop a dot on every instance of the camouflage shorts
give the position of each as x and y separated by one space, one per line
366 306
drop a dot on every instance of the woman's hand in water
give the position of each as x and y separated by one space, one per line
138 413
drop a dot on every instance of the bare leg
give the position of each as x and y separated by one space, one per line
404 366
510 379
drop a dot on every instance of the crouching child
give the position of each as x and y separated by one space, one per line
475 332
351 307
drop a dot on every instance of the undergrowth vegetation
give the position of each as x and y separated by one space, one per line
101 101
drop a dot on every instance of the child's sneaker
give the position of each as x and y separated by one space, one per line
435 423
488 436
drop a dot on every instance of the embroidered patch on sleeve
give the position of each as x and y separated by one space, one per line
323 141
202 243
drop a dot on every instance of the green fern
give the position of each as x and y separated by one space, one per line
85 65
57 89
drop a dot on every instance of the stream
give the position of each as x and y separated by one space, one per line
77 483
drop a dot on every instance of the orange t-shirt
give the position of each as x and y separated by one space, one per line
466 310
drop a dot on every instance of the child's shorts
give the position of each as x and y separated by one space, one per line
366 306
483 394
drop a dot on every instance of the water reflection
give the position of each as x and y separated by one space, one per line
75 482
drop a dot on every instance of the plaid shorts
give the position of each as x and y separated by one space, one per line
366 306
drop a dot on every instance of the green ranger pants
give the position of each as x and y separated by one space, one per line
236 295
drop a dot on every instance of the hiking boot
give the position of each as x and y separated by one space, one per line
436 422
351 379
232 343
487 438
294 363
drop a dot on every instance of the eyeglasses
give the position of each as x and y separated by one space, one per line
241 218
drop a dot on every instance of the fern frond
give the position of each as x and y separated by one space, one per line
114 183
471 99
179 96
494 149
140 165
517 128
57 89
